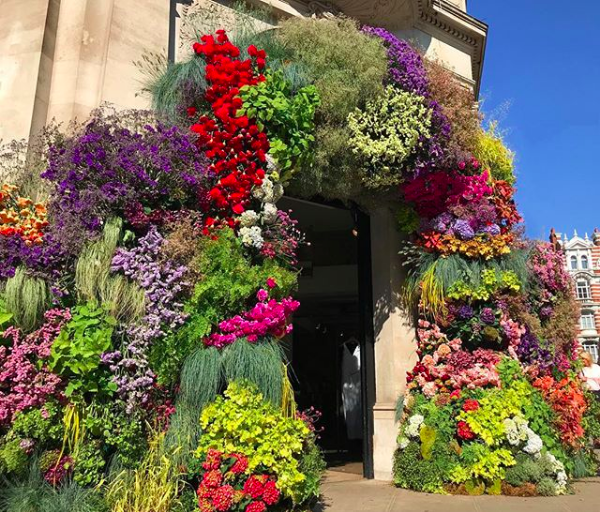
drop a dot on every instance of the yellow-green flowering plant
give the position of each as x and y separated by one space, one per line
242 422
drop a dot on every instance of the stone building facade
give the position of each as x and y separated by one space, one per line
582 259
62 58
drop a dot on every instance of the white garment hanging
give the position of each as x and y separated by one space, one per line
351 391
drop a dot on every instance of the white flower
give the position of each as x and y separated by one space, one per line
414 425
251 236
248 218
403 442
516 430
265 191
534 443
269 213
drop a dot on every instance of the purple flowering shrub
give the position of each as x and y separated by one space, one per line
106 168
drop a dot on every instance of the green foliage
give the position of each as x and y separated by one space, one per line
89 464
347 67
525 470
312 465
76 351
259 363
287 116
494 155
386 134
427 435
444 272
412 472
591 418
491 282
35 495
546 487
228 282
200 383
26 298
43 428
243 422
13 459
481 462
95 282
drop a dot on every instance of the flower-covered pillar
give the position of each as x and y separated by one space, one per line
395 347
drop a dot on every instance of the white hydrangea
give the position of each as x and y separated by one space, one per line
248 218
414 425
559 470
534 443
265 191
269 213
251 237
403 442
516 430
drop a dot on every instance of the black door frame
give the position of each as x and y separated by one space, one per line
367 337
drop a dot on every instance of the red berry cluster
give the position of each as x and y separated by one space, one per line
225 486
234 144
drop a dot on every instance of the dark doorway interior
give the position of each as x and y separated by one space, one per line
325 346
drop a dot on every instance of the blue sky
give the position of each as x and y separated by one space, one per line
543 60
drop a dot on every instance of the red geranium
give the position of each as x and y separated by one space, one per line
470 405
464 431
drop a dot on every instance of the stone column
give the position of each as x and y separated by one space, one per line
395 346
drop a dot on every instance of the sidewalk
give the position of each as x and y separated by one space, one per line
349 493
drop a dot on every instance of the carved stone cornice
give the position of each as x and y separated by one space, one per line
456 23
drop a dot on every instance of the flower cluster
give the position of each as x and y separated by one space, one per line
163 284
21 217
226 486
234 144
25 380
267 318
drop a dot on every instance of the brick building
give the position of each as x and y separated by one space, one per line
582 258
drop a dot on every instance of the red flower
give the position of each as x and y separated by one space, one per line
470 405
240 465
223 498
464 431
271 283
191 111
256 506
271 494
212 478
254 487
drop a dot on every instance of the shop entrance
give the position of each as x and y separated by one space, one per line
329 350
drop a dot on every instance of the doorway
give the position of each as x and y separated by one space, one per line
328 344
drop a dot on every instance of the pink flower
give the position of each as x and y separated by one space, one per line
271 283
262 295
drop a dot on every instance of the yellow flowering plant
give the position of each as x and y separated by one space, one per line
242 422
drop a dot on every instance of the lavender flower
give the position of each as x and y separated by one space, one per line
162 283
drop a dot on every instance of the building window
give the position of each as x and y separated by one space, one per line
583 289
592 348
573 262
587 321
584 263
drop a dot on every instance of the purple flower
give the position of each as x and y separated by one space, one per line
463 229
487 316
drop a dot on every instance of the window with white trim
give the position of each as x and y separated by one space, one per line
573 262
585 262
587 321
583 289
592 348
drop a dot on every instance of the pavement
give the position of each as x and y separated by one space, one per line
346 492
